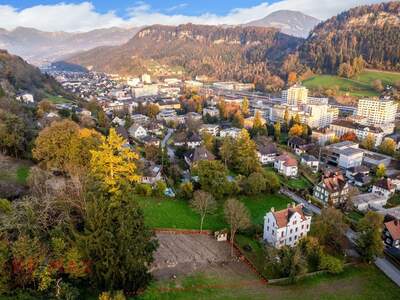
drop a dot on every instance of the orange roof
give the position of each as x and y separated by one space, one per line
282 217
394 229
288 160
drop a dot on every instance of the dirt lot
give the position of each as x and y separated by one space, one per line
13 174
185 254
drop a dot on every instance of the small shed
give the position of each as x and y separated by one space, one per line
221 236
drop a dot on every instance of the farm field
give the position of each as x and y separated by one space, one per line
359 86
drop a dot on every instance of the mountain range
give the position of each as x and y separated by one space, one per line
290 22
39 47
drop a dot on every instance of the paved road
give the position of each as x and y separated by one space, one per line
170 151
382 263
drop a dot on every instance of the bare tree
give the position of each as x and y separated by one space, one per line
237 216
204 204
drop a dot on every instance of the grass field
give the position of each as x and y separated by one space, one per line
58 99
169 213
356 283
13 170
359 86
300 183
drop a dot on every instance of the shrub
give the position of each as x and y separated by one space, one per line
144 189
332 264
186 190
160 188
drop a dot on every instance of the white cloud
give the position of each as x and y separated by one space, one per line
176 7
83 16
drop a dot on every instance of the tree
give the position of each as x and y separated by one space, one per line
14 133
286 117
349 136
203 203
237 216
65 147
208 140
331 228
296 130
388 146
297 119
258 127
186 190
290 262
245 157
368 142
152 110
369 240
332 264
238 120
227 150
377 85
152 153
160 188
245 106
277 131
380 171
292 78
117 242
113 165
212 177
345 70
272 182
255 184
358 65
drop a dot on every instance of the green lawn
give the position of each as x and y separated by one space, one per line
58 99
171 213
260 205
361 282
300 183
359 86
22 174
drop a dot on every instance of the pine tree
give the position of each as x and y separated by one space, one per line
245 158
116 241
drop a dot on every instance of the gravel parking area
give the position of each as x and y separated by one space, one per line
184 254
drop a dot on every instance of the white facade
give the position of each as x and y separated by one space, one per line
212 129
211 111
146 78
377 111
295 95
340 128
286 227
137 131
286 167
232 132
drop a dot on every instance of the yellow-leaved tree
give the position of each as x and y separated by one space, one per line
114 165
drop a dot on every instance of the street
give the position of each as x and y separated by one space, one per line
381 262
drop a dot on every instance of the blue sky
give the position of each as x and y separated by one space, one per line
187 7
84 15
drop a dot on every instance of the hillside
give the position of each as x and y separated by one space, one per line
39 47
290 22
359 86
371 31
16 74
224 53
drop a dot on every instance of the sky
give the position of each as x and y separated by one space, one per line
84 15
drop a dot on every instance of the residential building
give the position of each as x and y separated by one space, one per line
384 187
168 104
232 132
286 227
198 154
118 121
296 95
364 202
297 144
333 189
145 91
344 154
137 131
266 150
211 111
377 111
139 118
373 159
322 137
342 127
391 233
193 84
194 116
146 78
359 175
212 129
151 173
286 165
249 122
310 161
194 141
150 140
26 97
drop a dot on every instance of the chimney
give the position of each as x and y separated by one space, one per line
272 209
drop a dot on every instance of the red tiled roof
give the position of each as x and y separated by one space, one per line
394 229
288 161
282 217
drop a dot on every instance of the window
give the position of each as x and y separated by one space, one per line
290 239
302 226
273 232
308 226
267 228
282 234
294 222
296 229
295 237
291 230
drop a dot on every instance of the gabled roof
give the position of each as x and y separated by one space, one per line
297 141
282 217
288 161
385 183
201 153
334 182
394 229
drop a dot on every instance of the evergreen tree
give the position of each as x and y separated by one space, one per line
116 241
245 158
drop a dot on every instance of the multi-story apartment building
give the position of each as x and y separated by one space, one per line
342 127
344 155
296 95
377 112
286 227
